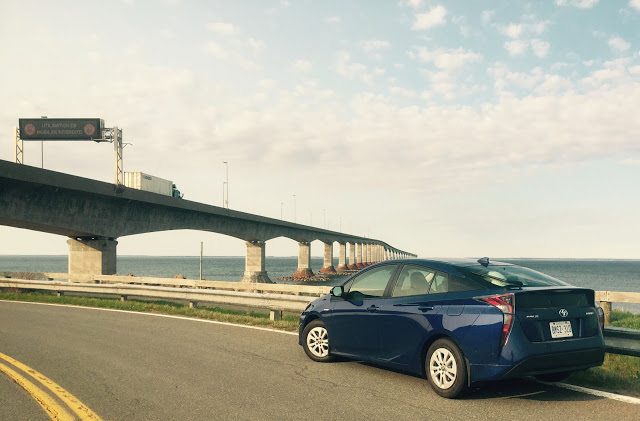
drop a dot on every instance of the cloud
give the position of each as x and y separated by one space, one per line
375 47
415 4
635 4
532 26
436 16
618 44
349 69
302 65
333 20
450 60
540 48
516 47
487 16
223 28
580 4
513 30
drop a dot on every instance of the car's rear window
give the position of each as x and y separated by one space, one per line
504 275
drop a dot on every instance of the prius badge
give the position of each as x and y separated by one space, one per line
563 312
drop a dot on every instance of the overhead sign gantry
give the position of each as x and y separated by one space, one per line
70 129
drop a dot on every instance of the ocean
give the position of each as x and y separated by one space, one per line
613 275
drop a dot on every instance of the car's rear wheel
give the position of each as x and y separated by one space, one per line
316 341
554 377
446 369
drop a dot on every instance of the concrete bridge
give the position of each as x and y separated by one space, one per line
94 214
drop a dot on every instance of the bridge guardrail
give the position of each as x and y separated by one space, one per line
274 302
310 290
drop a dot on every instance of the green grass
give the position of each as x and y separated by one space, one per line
288 322
625 319
619 373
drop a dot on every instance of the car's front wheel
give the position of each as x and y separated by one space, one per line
446 369
316 341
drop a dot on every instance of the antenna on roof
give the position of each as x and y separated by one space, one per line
484 261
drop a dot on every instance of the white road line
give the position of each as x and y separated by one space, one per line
168 316
608 395
594 392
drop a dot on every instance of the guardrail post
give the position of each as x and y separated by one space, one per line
275 315
123 298
193 304
606 307
59 293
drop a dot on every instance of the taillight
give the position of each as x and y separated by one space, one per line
506 304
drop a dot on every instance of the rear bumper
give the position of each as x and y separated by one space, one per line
548 362
557 362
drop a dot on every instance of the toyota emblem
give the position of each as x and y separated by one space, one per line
563 312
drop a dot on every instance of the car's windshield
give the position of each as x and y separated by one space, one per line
504 275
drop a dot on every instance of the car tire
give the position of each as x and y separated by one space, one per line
554 377
446 369
315 341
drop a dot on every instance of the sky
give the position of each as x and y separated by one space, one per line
445 128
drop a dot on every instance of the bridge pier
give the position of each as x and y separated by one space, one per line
342 257
94 256
254 264
327 264
353 263
360 262
304 261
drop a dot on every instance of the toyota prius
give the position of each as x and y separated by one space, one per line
457 322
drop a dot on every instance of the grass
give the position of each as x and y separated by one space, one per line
288 322
619 373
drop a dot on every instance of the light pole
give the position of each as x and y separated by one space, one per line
295 218
226 190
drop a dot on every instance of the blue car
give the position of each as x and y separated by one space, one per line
457 322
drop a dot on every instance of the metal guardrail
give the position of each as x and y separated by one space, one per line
274 302
310 290
622 341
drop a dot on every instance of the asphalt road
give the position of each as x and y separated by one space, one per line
138 367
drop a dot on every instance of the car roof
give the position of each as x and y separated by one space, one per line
448 263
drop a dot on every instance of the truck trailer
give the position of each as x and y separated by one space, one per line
141 181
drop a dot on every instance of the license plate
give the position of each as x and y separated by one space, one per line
561 329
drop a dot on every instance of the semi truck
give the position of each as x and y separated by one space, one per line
151 183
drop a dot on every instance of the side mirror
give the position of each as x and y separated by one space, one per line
337 291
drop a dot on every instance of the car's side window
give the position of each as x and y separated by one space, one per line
373 283
413 280
440 284
464 284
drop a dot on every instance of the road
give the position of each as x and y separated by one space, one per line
142 367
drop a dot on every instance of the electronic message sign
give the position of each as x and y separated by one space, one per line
61 128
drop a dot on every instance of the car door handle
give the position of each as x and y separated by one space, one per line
425 308
373 308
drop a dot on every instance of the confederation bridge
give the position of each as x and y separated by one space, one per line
94 214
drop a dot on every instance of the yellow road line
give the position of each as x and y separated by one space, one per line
81 410
51 407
